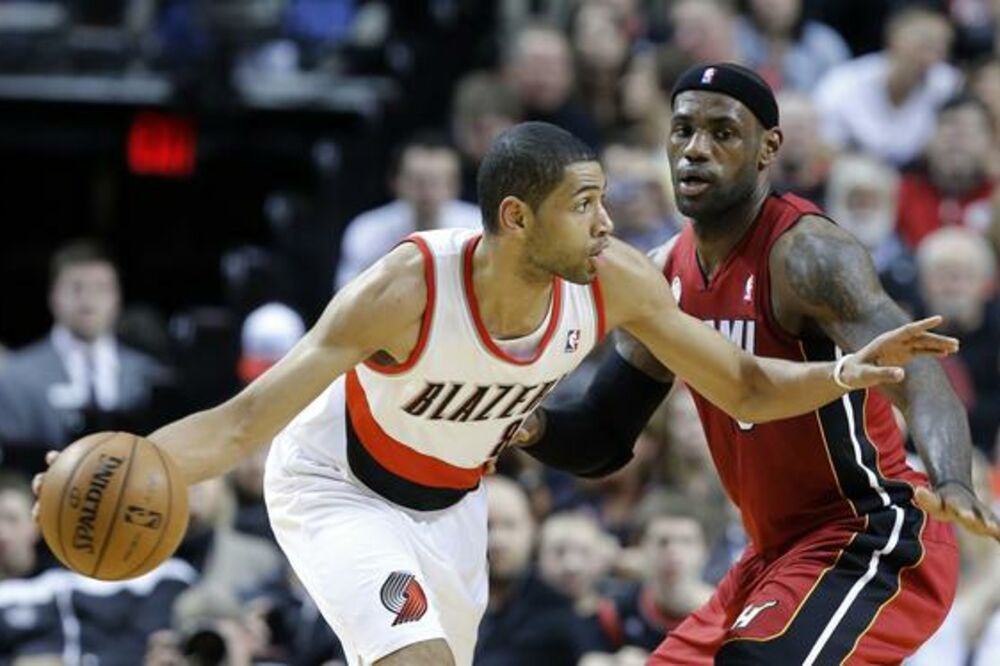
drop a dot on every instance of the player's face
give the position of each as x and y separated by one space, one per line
85 299
713 149
570 229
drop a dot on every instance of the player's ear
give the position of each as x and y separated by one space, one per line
770 144
514 215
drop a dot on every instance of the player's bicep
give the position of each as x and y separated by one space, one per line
374 312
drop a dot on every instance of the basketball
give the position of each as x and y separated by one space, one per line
112 506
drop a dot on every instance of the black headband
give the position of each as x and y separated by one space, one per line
735 81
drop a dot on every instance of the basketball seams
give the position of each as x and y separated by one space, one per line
118 502
166 517
70 479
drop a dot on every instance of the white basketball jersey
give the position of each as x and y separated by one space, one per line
419 433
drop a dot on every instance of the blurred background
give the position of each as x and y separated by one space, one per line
185 183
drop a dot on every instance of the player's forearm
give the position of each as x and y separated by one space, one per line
778 389
204 444
937 422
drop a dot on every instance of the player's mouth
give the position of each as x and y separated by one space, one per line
692 184
601 247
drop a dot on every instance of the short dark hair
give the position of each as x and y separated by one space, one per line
83 251
526 161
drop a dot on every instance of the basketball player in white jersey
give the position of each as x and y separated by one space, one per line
385 416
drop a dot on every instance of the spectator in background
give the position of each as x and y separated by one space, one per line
958 280
527 623
953 186
885 103
782 45
426 183
297 633
267 334
538 67
673 551
704 30
18 532
601 47
481 108
984 83
803 164
862 195
639 196
645 109
79 378
574 554
224 558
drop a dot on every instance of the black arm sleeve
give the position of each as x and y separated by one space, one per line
594 436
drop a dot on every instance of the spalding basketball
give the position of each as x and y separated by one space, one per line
112 506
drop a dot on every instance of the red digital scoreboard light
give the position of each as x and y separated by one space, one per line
161 144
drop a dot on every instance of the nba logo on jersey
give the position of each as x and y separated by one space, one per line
708 75
748 290
572 340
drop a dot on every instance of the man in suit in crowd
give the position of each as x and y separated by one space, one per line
79 378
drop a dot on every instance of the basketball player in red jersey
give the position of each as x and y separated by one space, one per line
384 416
848 561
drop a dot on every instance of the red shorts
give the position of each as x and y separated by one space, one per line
841 595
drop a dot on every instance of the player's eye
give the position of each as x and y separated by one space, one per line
582 206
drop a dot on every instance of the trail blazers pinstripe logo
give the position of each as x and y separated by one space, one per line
402 595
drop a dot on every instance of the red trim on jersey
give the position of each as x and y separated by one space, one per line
425 324
595 288
396 457
484 334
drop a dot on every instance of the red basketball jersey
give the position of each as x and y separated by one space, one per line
790 476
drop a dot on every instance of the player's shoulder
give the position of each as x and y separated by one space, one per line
396 283
813 236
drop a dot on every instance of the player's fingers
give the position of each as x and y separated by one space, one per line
50 457
36 484
934 342
925 324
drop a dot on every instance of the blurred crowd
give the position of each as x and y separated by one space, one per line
890 111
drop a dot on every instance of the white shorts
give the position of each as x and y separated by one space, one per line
383 576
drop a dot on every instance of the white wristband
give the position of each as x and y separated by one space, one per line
839 368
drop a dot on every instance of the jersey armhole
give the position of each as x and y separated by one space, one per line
425 324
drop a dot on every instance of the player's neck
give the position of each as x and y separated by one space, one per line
716 239
513 301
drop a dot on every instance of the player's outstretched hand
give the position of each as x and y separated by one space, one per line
881 360
954 502
36 483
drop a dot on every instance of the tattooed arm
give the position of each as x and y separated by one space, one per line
824 280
